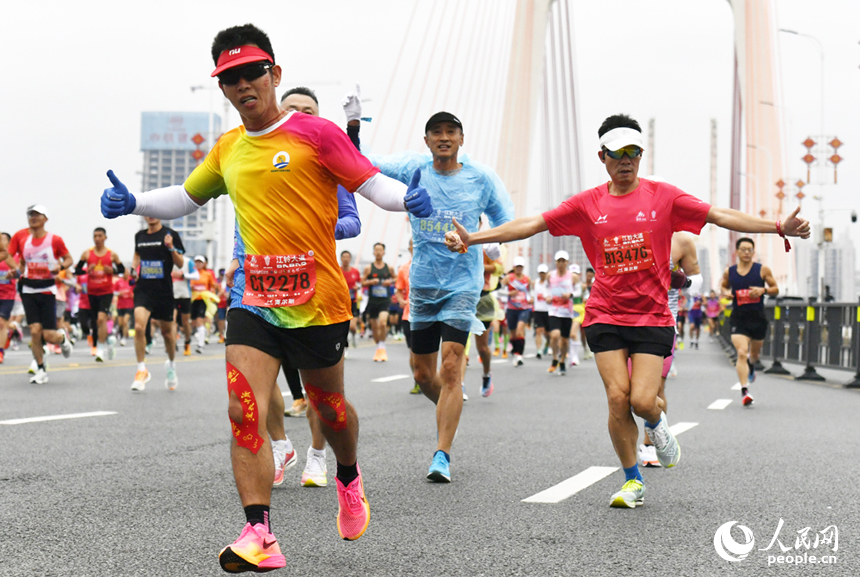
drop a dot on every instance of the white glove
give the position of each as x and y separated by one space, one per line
352 104
493 250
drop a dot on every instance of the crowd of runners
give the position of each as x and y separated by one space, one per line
289 303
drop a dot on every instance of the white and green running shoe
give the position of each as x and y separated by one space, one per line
665 443
630 496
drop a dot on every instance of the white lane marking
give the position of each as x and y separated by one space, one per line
529 356
720 404
571 486
679 428
498 361
391 378
736 387
57 417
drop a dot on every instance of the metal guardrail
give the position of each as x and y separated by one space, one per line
823 335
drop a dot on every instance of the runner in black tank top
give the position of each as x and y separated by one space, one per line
748 283
378 277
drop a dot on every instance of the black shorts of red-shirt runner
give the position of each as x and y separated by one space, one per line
316 347
40 308
198 309
426 341
656 341
100 303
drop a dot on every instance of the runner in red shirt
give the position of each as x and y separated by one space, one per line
7 292
626 228
100 263
42 256
124 292
401 293
353 283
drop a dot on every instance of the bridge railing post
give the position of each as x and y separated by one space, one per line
855 337
811 342
777 341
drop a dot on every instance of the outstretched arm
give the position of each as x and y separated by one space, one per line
516 229
742 222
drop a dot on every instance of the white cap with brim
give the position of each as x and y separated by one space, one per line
562 254
40 208
519 261
574 268
543 268
618 138
200 257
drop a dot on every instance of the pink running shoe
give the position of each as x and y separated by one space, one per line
353 514
255 550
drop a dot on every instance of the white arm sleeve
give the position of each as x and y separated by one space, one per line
696 281
384 192
166 203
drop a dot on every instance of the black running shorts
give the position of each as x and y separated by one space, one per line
198 309
316 347
658 341
426 341
40 309
561 324
100 303
183 306
159 304
752 325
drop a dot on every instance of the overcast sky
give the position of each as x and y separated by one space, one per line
78 75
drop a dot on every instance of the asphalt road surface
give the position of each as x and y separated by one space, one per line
143 485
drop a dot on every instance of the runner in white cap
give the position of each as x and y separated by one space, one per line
519 307
42 255
561 287
540 312
626 226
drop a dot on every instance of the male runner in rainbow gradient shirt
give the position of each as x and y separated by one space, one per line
281 170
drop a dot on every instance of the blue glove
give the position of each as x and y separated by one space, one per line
417 199
117 200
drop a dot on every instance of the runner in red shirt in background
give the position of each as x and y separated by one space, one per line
626 230
124 292
222 306
519 307
42 256
401 293
7 293
100 263
353 283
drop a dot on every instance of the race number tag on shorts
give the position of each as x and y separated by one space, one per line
151 269
279 280
434 227
379 291
627 253
744 297
38 271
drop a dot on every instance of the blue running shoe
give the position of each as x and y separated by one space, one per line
487 386
751 365
440 469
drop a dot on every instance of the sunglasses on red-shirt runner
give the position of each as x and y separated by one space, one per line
250 73
631 151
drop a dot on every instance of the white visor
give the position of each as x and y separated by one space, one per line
620 137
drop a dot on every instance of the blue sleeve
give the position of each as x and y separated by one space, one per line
348 222
500 207
238 244
400 166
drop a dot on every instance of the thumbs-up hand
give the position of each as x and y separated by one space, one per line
417 199
117 200
352 104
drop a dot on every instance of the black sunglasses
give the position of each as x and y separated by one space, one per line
632 151
250 73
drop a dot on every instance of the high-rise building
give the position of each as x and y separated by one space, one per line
173 143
